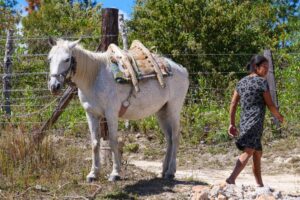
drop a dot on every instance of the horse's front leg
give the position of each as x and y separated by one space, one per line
95 141
112 122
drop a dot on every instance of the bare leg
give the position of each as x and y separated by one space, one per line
240 165
256 167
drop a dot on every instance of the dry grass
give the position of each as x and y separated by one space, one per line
56 169
22 160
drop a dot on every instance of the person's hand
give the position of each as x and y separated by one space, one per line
280 118
232 131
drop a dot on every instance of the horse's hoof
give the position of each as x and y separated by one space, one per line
169 176
114 178
90 179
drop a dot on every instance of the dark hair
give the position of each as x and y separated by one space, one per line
255 61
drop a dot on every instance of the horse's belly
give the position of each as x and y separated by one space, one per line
134 113
147 102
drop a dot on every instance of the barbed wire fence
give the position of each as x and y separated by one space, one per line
31 102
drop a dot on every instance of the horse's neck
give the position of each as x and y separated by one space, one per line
88 65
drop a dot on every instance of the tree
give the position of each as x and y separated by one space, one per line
8 19
8 15
287 25
32 5
62 18
205 35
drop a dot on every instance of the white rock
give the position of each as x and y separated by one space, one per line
277 195
88 159
294 159
279 160
215 190
266 190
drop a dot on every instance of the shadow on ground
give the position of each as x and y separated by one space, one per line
157 186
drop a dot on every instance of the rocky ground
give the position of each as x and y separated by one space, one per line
233 192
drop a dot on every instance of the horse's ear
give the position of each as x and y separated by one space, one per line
73 44
51 41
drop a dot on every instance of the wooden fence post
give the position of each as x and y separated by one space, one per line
109 35
7 72
109 28
272 84
63 103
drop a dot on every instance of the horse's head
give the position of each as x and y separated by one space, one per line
61 63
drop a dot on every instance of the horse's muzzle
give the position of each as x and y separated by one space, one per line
54 87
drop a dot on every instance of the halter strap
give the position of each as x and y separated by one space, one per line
67 73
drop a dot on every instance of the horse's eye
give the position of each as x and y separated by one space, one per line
49 60
67 60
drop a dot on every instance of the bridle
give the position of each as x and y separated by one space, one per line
67 74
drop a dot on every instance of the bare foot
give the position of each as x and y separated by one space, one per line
228 181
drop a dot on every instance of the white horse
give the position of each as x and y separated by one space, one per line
101 96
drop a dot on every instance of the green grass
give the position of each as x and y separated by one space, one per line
131 148
119 194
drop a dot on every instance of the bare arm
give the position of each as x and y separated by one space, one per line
233 105
232 131
271 106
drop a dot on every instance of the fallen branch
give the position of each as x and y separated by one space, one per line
59 188
16 197
90 197
2 195
63 103
93 196
75 197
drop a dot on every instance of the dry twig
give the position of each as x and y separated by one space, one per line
2 195
16 197
93 196
75 197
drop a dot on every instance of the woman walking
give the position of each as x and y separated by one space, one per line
253 94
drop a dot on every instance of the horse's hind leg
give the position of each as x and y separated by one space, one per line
95 140
169 122
166 128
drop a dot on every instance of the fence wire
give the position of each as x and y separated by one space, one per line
36 103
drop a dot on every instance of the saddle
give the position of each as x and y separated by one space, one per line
136 64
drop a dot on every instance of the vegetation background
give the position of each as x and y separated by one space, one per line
213 39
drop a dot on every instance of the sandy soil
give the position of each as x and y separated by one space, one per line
287 183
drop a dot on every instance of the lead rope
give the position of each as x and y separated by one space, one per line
126 103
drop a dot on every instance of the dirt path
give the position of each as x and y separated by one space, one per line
287 183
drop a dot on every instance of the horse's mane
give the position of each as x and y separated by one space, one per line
88 64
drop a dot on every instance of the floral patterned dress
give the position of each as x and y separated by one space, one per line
250 90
